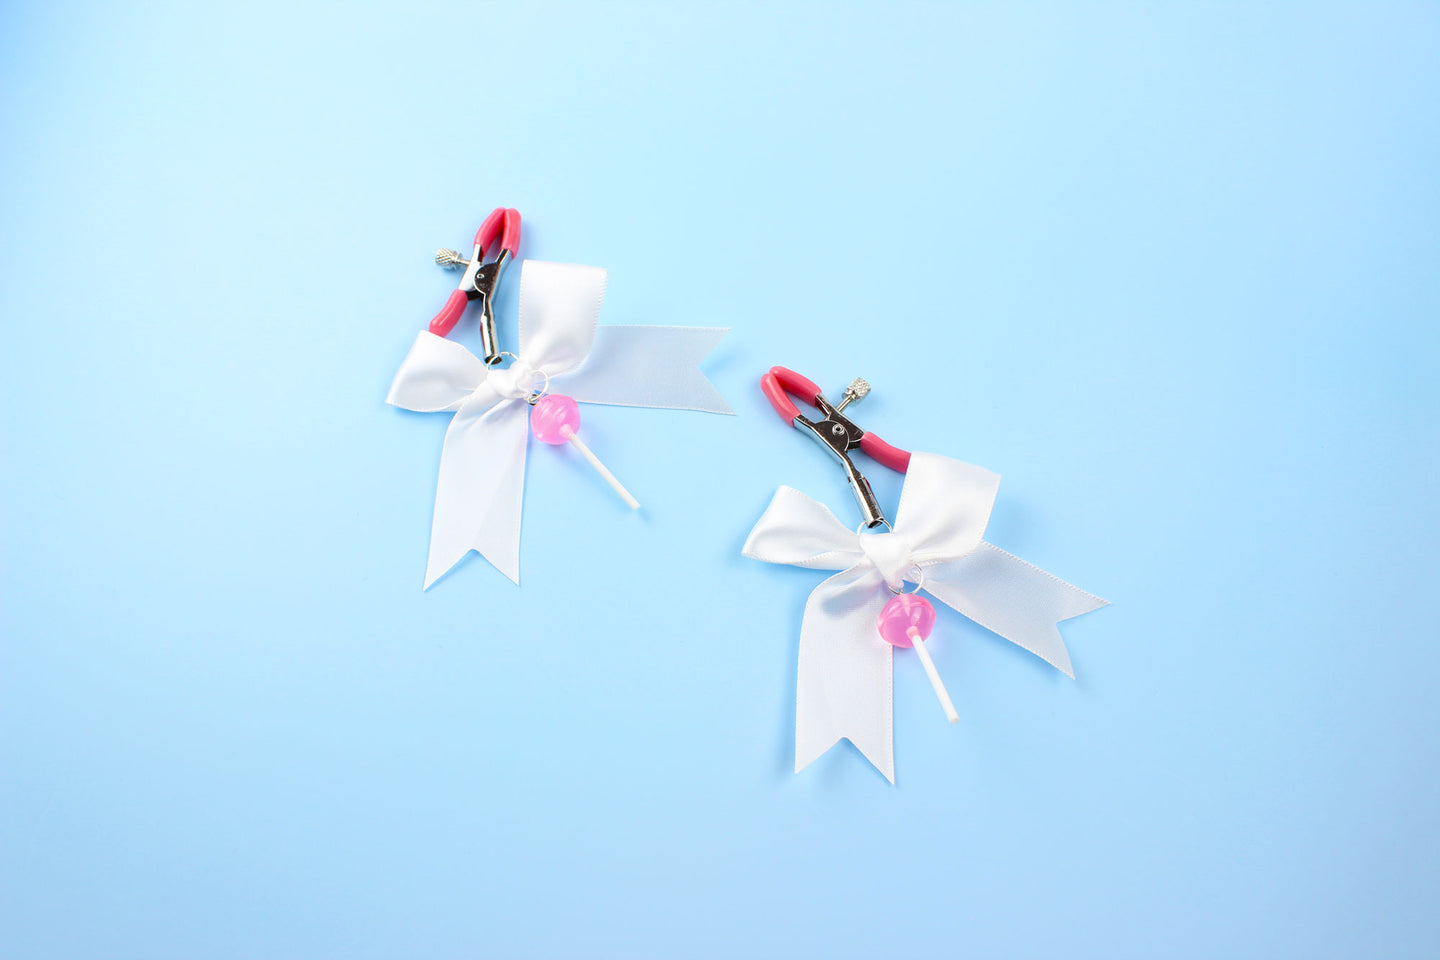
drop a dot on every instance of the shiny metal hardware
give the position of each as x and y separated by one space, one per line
857 391
479 283
450 260
501 231
835 432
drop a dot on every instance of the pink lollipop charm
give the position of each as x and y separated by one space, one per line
906 621
555 419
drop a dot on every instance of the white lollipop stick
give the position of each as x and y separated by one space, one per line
918 643
600 468
555 419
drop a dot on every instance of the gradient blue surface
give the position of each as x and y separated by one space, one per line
1171 270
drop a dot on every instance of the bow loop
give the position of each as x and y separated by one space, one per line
796 530
944 507
437 375
559 310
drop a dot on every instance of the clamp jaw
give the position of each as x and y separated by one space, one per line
481 279
836 432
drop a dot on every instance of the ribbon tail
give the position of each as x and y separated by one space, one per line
481 489
647 366
1013 598
844 687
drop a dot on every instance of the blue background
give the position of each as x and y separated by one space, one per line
1172 270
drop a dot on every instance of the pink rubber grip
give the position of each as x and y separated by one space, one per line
504 225
796 384
489 229
884 454
779 399
449 314
510 239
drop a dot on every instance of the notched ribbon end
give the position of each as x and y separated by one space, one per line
436 571
885 770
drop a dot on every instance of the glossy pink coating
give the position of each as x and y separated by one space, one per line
777 386
906 610
503 225
774 391
510 239
490 229
556 416
885 454
449 314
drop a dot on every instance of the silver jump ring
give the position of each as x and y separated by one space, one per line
863 526
535 395
919 582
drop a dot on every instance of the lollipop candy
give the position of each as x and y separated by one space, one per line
555 419
906 621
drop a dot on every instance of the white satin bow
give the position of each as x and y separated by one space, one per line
481 487
844 687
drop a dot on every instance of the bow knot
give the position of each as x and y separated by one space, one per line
891 555
519 381
844 677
